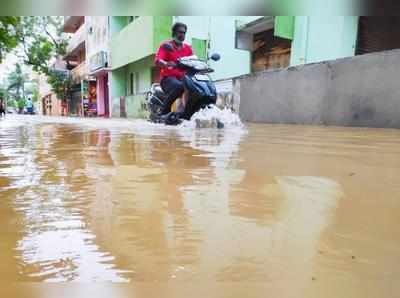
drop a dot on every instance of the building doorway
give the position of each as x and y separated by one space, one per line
267 50
106 97
378 33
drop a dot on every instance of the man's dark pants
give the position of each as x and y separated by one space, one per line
174 89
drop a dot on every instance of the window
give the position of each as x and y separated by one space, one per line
268 51
133 83
200 47
136 83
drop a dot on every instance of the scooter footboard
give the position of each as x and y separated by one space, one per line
196 104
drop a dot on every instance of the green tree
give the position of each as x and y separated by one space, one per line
35 93
3 92
9 34
21 103
16 82
43 43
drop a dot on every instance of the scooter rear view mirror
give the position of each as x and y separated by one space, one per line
215 57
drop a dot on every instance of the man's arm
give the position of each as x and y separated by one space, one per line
161 56
164 64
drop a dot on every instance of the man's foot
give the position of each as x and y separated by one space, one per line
171 118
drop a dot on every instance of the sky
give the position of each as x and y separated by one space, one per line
8 66
11 59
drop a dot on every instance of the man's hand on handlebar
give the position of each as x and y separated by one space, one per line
166 64
171 64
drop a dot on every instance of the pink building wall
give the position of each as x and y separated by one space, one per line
100 96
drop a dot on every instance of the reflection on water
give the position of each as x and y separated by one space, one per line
292 210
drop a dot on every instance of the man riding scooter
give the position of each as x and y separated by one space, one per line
166 58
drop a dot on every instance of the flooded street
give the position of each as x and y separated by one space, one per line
270 211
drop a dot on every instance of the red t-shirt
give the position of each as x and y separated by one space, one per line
172 55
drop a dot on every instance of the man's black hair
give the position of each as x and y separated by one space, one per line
178 25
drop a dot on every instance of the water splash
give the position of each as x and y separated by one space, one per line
210 116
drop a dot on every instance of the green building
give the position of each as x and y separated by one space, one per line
246 44
134 41
321 38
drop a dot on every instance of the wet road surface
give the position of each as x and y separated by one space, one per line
135 210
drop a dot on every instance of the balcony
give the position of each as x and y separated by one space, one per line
79 73
77 40
139 39
72 23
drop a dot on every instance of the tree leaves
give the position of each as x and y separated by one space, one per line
40 43
9 35
16 82
43 43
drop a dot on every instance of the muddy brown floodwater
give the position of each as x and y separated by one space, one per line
117 208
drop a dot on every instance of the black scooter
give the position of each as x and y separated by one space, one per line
199 88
